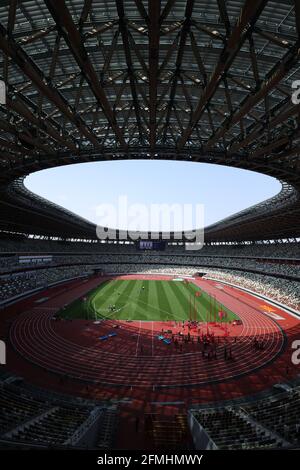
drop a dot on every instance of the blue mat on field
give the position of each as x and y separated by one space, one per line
160 337
109 335
167 341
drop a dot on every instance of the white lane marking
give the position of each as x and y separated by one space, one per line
138 339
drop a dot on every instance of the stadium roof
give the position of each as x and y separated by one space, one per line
196 80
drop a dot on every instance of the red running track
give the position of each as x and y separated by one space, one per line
135 359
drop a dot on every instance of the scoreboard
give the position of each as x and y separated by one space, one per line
149 245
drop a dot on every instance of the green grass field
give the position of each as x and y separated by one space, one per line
146 301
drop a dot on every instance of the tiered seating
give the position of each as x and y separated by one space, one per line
19 283
107 430
231 431
31 417
272 270
16 409
282 415
55 428
27 245
282 290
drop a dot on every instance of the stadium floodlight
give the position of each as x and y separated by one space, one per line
2 92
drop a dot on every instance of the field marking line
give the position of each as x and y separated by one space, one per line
152 339
138 338
106 315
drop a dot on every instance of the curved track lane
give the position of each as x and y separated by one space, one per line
73 348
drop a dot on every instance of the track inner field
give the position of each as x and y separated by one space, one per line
135 357
148 300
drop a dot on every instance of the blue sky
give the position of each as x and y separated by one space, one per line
83 187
